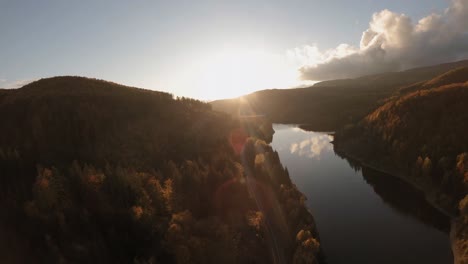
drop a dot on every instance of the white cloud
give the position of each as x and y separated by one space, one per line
392 42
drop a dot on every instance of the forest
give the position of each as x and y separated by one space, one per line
93 171
96 172
420 135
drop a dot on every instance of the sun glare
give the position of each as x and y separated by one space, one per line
231 73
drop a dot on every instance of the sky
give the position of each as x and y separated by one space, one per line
212 49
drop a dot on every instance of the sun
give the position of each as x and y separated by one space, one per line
231 73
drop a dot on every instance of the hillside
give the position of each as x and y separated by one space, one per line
421 136
96 172
457 75
422 133
330 105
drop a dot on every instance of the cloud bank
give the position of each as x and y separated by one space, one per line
392 43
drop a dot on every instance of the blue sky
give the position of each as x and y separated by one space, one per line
167 45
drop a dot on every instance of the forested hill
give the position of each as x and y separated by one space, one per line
457 75
96 172
330 105
421 135
66 118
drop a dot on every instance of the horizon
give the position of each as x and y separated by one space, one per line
226 98
213 50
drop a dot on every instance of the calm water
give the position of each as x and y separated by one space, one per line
363 216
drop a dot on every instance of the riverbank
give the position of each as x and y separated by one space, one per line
459 239
431 194
290 228
351 205
458 230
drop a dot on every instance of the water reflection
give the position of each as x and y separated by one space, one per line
405 199
401 196
363 216
312 147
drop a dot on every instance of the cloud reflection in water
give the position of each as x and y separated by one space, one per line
313 146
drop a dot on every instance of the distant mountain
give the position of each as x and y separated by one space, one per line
457 75
330 105
397 79
96 172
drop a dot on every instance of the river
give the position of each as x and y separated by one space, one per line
363 216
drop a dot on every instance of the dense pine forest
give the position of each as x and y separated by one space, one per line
96 172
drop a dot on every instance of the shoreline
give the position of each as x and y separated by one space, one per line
429 196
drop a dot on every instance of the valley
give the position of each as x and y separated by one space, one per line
172 180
